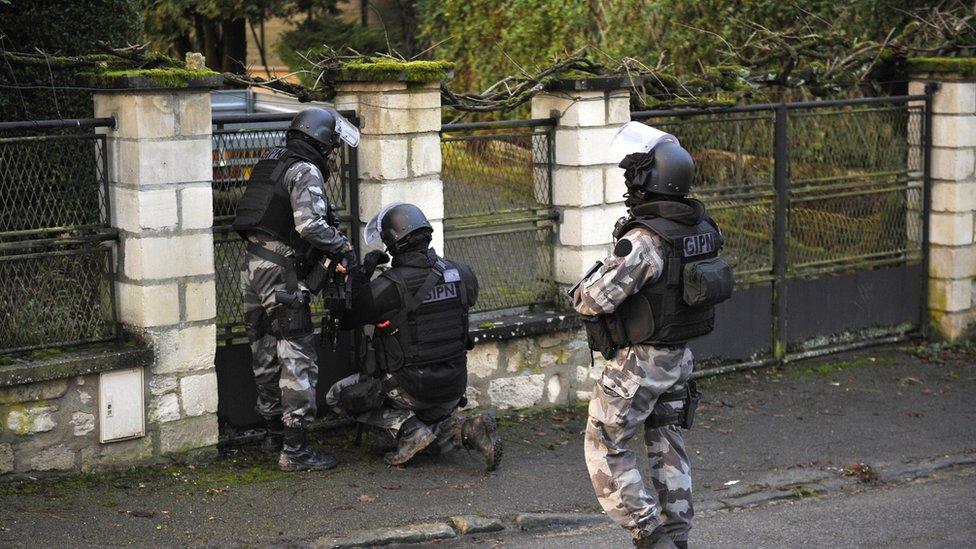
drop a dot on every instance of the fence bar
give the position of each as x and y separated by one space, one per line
781 166
220 119
635 115
930 89
531 123
106 122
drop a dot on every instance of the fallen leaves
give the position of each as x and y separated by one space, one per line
367 498
863 472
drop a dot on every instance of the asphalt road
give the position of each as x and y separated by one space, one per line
931 513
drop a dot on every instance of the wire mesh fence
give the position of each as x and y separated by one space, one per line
56 246
854 185
498 209
237 148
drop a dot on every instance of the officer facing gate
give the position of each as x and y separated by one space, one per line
415 363
641 305
288 224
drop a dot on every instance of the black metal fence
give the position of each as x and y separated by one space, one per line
56 246
239 141
821 204
498 208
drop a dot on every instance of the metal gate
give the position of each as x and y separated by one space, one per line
239 141
822 207
498 209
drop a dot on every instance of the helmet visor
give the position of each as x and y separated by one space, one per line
374 229
348 133
634 137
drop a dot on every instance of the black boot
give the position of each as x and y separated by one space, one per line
413 437
480 433
274 434
657 539
297 455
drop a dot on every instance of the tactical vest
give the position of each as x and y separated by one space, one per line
266 204
436 329
680 304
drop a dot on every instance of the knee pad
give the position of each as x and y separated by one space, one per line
292 316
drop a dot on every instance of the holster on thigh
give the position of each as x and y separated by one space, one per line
255 324
675 407
291 316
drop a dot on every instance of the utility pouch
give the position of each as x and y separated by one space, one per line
707 282
255 324
598 336
362 397
292 316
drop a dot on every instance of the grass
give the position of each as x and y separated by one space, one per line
833 367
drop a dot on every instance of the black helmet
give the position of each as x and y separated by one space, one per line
667 169
324 126
394 223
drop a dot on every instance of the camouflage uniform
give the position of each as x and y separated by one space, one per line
399 408
626 395
285 370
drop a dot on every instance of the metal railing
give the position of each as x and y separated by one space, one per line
498 209
56 243
239 141
810 189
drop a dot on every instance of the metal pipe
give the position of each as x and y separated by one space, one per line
466 126
104 122
220 118
793 357
781 166
774 106
930 89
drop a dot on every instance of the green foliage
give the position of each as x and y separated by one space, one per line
390 69
965 67
490 40
67 27
311 39
164 78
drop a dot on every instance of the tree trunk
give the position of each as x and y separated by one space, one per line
211 44
235 46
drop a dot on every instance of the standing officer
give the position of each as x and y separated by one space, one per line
417 363
641 305
283 216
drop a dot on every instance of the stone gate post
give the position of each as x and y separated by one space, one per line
588 187
161 202
952 250
399 154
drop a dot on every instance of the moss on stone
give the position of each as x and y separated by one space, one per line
388 69
963 66
164 78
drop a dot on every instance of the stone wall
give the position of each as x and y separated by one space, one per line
51 426
544 370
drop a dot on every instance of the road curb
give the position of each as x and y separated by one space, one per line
811 484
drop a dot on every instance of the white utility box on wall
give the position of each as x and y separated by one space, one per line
121 405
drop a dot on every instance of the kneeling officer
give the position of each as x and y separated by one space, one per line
284 217
416 361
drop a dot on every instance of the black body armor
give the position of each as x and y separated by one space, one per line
266 205
425 344
680 304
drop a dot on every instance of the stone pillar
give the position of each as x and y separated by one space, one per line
399 153
161 202
952 250
588 186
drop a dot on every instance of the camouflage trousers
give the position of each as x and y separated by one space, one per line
285 370
400 407
622 399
